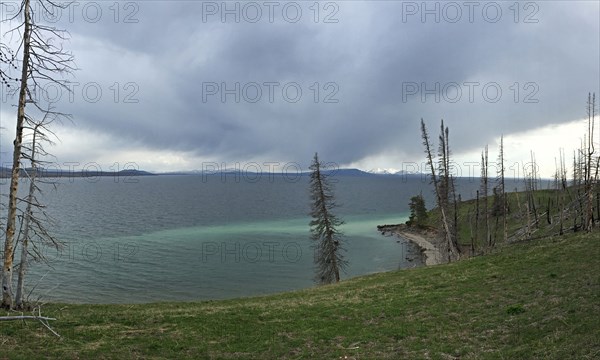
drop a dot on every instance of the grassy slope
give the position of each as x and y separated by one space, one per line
516 220
532 300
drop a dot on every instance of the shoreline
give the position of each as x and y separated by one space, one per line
421 238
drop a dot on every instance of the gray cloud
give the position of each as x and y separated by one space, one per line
366 59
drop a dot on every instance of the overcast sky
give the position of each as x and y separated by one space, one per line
184 83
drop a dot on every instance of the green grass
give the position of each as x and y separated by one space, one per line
546 202
532 300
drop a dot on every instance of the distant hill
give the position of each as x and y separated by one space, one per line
54 173
379 171
5 173
346 172
336 172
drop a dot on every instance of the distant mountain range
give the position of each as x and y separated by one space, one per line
342 172
380 171
54 173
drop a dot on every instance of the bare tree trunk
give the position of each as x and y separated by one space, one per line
455 224
503 185
23 260
495 237
27 220
438 194
561 208
534 209
580 186
528 221
591 110
485 188
7 269
477 221
470 216
532 190
598 205
563 188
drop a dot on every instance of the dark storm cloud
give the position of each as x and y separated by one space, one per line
368 61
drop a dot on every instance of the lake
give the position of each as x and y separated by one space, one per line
193 237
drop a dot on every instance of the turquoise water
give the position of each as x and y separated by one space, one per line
178 238
212 262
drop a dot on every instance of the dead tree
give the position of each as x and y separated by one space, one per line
34 221
578 175
476 222
43 61
439 193
562 190
532 189
42 319
484 193
27 217
590 164
530 180
502 189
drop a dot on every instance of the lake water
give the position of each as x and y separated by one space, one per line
189 237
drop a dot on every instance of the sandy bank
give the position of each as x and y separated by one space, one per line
423 239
